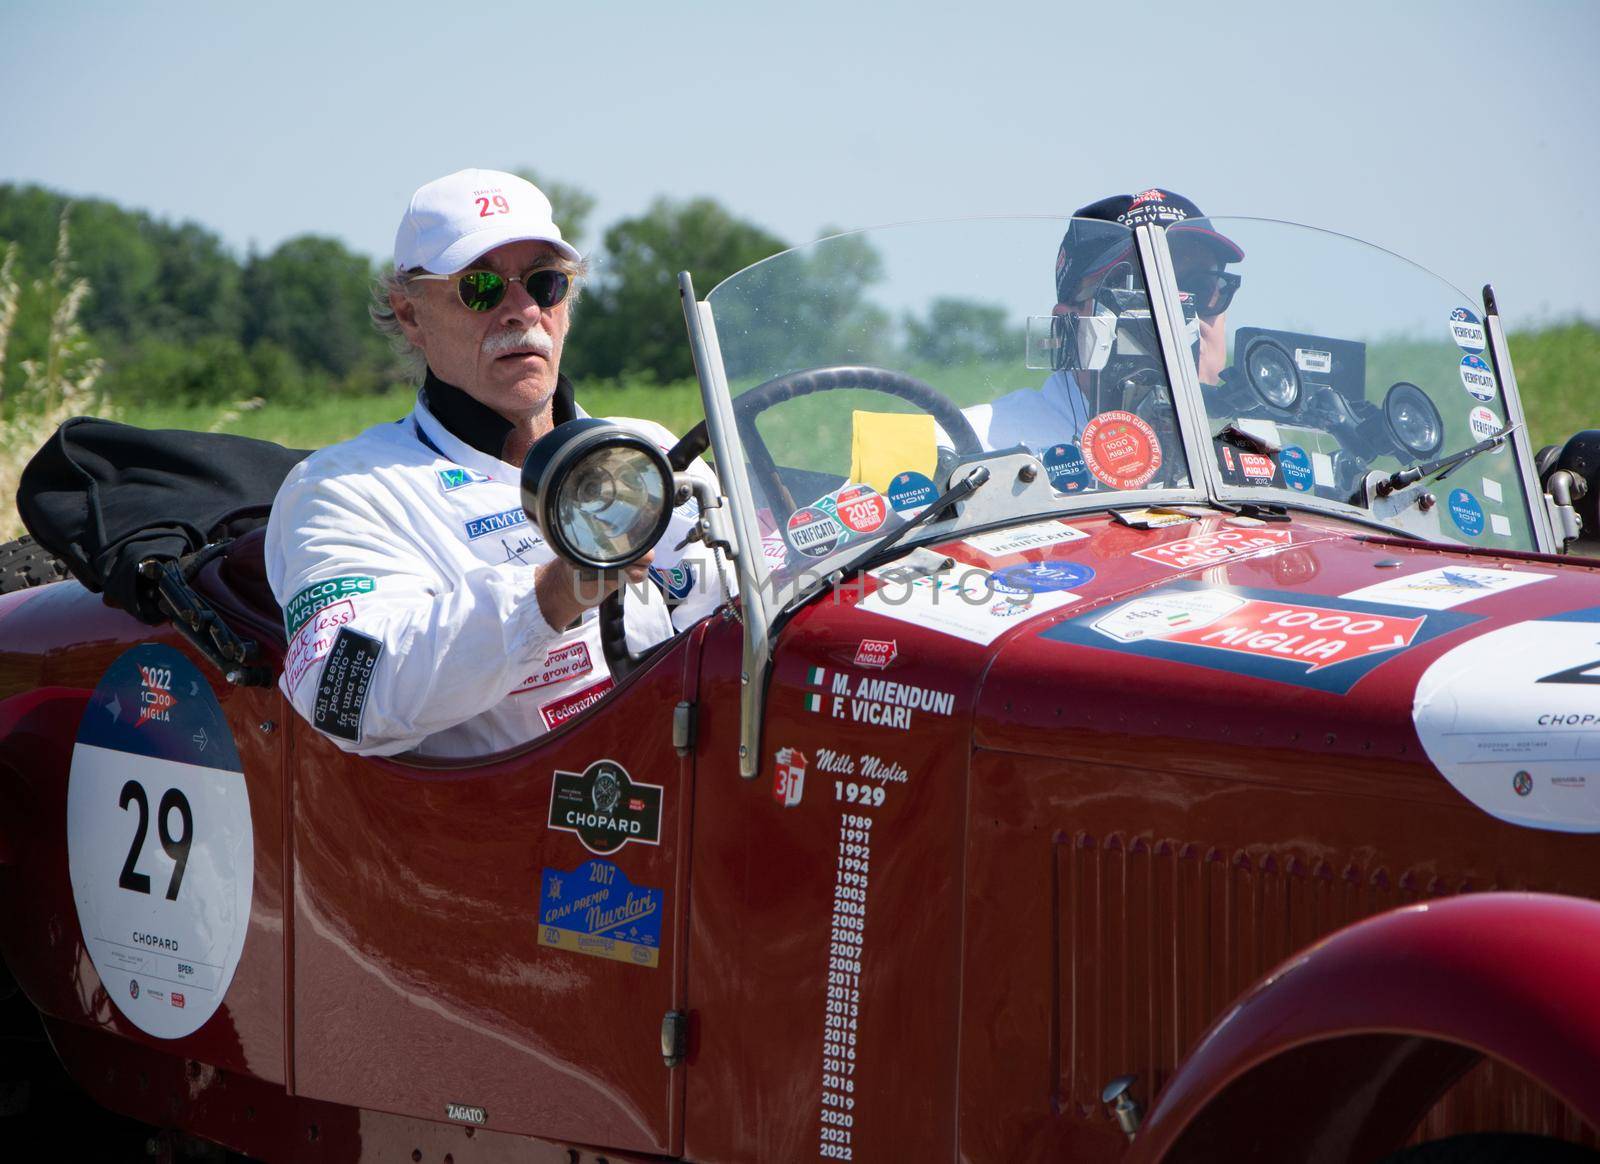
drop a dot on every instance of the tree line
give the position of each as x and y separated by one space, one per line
176 316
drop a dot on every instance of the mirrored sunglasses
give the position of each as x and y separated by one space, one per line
485 290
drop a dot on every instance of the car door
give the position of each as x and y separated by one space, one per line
497 943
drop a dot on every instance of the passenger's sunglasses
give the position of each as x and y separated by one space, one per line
1211 291
485 290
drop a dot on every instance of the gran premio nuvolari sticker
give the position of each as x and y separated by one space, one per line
159 842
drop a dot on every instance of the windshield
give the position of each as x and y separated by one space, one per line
868 370
1343 360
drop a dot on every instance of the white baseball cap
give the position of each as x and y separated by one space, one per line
453 220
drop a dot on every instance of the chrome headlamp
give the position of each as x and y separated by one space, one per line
1271 373
1413 420
601 494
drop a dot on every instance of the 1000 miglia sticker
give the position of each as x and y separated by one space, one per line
159 842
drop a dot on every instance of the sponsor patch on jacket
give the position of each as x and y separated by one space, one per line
490 523
314 639
677 582
320 594
346 683
560 664
557 713
605 807
456 477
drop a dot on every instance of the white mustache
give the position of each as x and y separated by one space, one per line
534 337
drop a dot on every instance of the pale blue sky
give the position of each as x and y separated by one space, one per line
1462 135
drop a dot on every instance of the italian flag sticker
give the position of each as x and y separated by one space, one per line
817 676
813 703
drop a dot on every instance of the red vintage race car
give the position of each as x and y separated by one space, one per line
1089 762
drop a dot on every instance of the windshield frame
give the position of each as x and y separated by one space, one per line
765 603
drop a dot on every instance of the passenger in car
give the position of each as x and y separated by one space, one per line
1094 259
424 611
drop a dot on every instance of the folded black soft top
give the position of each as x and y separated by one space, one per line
104 497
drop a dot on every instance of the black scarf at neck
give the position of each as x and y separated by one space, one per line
479 425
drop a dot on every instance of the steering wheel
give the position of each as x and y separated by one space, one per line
794 385
752 404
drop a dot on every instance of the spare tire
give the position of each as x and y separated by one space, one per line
25 563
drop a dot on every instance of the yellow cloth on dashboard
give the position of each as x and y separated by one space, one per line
884 444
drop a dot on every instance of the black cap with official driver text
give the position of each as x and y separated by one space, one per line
1088 249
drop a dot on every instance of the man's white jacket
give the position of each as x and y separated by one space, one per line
405 566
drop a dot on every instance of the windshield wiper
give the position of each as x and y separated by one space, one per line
1445 465
880 551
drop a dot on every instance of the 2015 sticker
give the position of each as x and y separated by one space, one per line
860 508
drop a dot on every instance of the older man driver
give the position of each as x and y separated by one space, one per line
424 612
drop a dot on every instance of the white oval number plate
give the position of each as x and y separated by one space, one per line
159 841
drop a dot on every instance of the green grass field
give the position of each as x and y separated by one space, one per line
310 426
1558 372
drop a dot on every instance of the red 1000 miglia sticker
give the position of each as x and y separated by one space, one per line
1121 449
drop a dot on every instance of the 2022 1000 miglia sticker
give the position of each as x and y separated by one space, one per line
159 842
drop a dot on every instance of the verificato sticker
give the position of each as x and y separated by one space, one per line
1512 720
1467 330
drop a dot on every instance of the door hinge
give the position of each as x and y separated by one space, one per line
683 724
674 1036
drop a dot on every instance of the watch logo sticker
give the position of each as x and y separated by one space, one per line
605 807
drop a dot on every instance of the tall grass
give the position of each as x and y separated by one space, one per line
54 383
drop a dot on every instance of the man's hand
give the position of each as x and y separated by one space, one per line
565 591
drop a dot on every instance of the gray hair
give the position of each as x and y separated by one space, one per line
392 282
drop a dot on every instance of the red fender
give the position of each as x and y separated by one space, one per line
1354 1038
